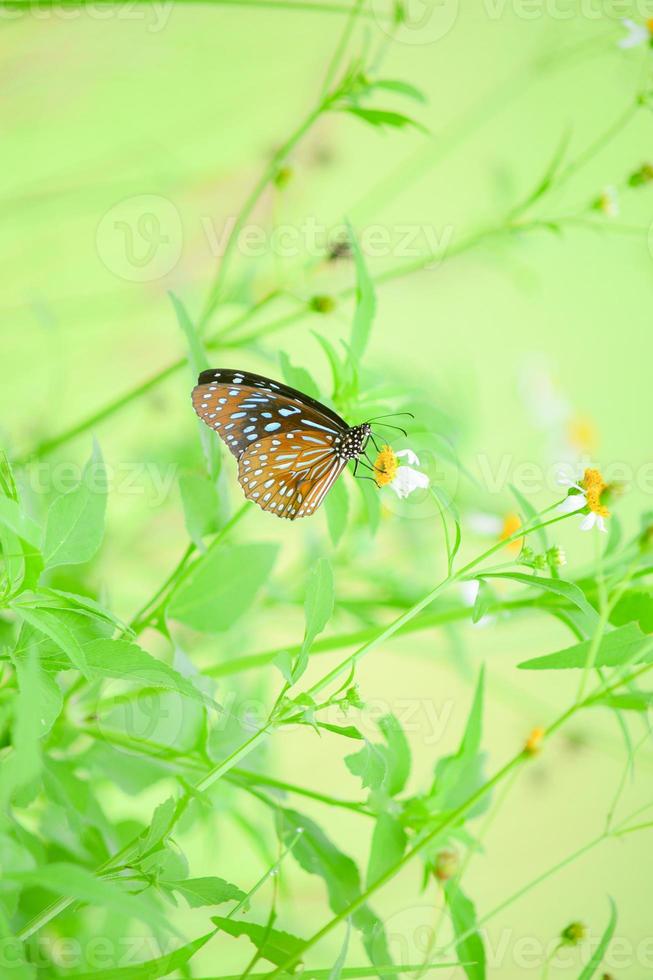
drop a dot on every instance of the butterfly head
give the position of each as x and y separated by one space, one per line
351 444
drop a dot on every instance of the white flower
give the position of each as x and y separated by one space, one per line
403 479
637 34
588 495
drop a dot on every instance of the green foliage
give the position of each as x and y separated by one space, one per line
469 944
221 586
129 783
75 521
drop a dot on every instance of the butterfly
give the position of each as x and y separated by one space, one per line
290 448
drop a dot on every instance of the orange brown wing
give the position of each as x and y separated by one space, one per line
290 474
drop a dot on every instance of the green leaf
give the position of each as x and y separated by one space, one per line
336 970
485 599
388 845
397 755
625 645
384 117
221 586
23 764
557 586
365 302
74 881
162 966
15 520
55 625
337 510
75 521
633 701
274 946
403 88
129 662
201 504
206 891
588 972
298 377
529 515
318 609
198 362
469 947
196 354
317 855
634 606
159 826
385 767
369 765
458 776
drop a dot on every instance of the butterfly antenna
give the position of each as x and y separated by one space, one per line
397 427
392 415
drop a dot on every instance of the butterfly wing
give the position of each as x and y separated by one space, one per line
244 408
290 474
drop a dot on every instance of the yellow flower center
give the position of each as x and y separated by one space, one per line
582 434
649 25
511 525
385 467
594 485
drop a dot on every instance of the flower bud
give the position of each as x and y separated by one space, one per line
574 934
556 557
446 864
322 304
533 743
642 176
283 177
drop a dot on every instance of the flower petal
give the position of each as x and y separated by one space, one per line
600 523
407 480
411 458
572 503
637 34
588 522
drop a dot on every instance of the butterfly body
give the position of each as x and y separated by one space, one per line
290 448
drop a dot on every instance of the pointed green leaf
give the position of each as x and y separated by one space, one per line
221 586
365 302
75 523
388 845
469 946
625 645
273 945
206 891
588 972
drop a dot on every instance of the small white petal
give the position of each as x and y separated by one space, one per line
411 458
637 34
600 523
573 503
407 480
481 523
469 591
588 522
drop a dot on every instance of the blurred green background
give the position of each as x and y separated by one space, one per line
183 105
